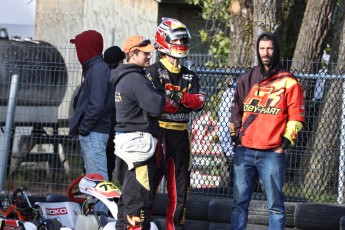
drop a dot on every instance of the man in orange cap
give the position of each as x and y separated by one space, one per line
137 138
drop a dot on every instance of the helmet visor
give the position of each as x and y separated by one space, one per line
178 34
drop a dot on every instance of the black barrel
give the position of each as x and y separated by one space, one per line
41 69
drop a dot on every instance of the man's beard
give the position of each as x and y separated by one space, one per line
266 62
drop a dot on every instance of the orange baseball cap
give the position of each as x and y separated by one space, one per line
138 42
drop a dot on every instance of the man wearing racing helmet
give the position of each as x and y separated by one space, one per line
183 96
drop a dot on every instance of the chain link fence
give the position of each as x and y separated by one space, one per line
38 154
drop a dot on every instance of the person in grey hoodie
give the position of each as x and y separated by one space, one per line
137 139
91 119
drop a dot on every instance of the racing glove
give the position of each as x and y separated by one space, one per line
175 95
170 106
236 141
285 143
290 135
234 136
193 101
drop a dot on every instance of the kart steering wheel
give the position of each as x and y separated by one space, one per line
73 191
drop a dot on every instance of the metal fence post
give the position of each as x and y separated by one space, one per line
342 153
8 129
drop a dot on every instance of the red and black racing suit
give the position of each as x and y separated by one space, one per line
173 123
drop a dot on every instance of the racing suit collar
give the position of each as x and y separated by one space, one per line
170 67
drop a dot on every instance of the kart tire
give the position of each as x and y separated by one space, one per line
219 210
318 216
219 226
256 227
160 204
189 224
259 214
160 223
342 223
197 207
49 224
197 224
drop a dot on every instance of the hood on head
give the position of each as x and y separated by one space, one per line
276 53
88 44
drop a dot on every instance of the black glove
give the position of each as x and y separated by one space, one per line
236 141
285 143
175 95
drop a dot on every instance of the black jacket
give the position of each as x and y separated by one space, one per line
137 102
245 86
95 100
185 80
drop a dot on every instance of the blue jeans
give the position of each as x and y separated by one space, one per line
93 149
270 167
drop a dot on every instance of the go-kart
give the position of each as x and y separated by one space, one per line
17 212
94 185
55 214
18 206
79 213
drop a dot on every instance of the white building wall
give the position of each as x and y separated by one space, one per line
57 21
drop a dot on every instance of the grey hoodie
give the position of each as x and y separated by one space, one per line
137 102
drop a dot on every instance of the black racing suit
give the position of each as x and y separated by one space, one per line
173 123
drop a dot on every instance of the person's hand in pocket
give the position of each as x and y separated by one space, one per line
279 149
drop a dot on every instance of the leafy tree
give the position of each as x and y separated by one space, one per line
216 30
233 26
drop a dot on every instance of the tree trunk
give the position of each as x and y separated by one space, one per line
311 40
325 147
267 17
293 11
241 33
338 46
323 150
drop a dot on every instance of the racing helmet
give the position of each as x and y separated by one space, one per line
171 29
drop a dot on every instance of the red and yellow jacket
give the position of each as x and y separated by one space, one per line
266 110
